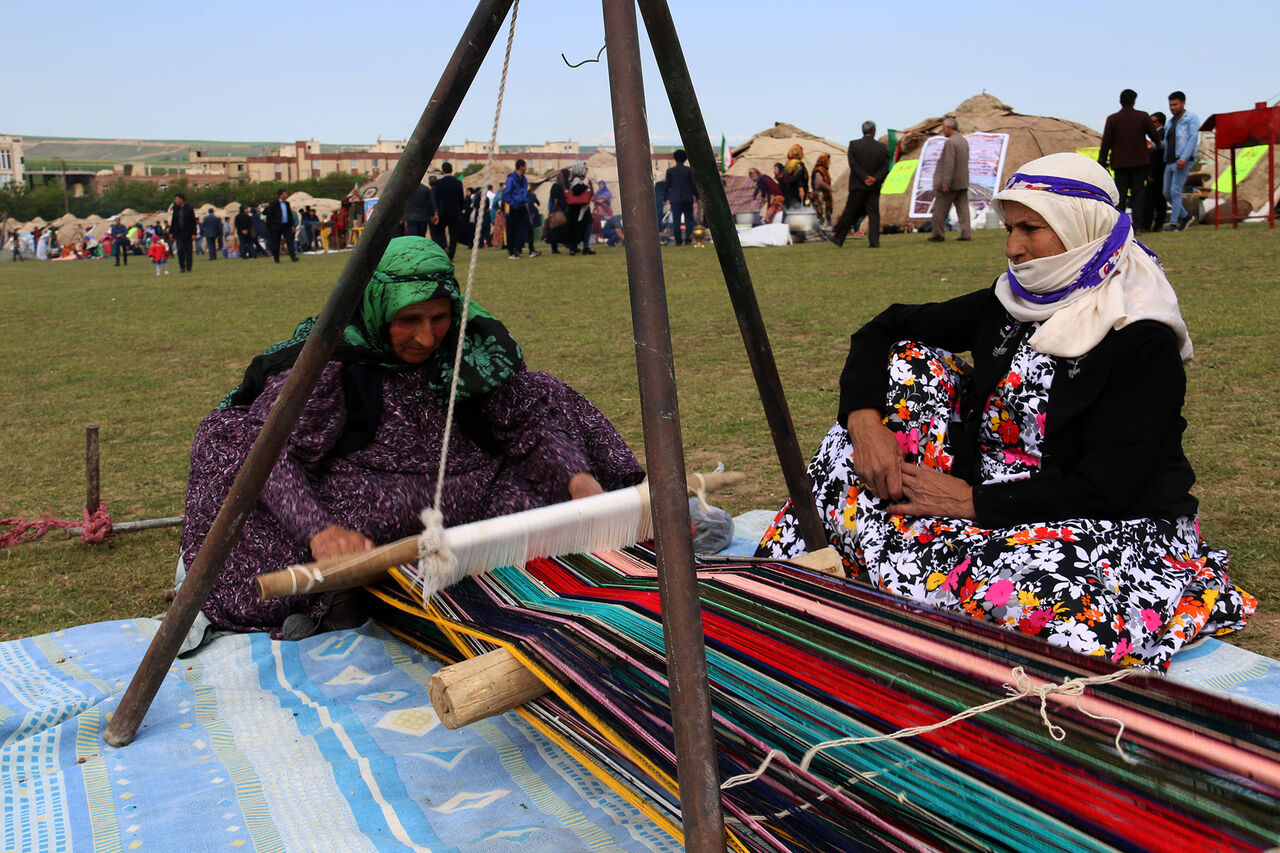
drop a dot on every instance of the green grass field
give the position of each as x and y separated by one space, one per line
146 358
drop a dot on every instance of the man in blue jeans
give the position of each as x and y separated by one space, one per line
519 224
1181 141
120 242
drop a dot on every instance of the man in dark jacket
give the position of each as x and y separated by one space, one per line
182 225
120 242
449 204
869 164
280 226
211 231
516 197
1154 208
681 192
244 233
420 211
1124 144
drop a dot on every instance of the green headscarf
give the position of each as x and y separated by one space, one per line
412 270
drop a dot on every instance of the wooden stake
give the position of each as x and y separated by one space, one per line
481 687
92 483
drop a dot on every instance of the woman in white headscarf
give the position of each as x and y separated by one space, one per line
1044 488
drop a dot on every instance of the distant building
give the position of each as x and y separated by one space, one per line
11 160
387 146
199 163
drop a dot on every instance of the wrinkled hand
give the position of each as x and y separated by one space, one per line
335 541
877 456
583 485
929 492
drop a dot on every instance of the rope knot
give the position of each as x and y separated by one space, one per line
435 560
96 527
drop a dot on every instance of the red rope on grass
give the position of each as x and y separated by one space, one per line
93 528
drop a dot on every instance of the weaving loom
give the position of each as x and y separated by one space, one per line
796 659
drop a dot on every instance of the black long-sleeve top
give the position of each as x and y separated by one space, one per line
1113 424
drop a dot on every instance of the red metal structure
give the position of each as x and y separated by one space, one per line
1245 128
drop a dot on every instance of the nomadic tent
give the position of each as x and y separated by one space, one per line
69 229
1028 137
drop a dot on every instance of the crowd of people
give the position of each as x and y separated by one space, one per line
253 233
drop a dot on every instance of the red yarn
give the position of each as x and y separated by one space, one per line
93 528
96 527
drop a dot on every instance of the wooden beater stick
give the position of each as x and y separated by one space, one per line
355 570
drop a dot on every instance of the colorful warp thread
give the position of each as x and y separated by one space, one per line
796 659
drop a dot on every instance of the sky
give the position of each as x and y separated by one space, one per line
351 72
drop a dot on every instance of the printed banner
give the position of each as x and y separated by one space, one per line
986 162
898 180
1246 159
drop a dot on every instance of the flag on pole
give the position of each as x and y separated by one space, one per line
893 144
726 157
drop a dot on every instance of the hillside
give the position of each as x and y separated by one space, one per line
44 151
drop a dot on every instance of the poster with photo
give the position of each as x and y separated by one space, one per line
986 163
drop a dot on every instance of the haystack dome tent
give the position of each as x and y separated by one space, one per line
771 146
1029 137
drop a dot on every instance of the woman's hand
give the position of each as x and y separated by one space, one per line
877 456
335 541
583 485
930 492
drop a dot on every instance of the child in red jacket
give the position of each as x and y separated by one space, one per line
160 256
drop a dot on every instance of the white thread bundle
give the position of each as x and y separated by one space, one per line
598 523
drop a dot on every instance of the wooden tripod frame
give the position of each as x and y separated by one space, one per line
703 821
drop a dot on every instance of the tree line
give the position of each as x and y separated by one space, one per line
49 201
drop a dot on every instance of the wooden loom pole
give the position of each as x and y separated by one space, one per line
737 278
456 79
696 766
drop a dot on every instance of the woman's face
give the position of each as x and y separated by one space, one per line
417 330
1030 237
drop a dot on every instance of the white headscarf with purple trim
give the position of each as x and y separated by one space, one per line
1105 280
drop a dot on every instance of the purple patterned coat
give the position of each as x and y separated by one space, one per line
545 431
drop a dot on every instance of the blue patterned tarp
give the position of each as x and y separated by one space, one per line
327 744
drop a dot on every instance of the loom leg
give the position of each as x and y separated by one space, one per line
697 768
737 278
343 301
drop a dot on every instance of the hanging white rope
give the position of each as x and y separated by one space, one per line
431 545
471 267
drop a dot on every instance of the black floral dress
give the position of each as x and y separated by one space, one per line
1134 591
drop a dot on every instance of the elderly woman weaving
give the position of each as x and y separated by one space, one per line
1045 488
363 460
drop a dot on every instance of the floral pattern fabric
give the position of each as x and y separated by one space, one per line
1134 591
